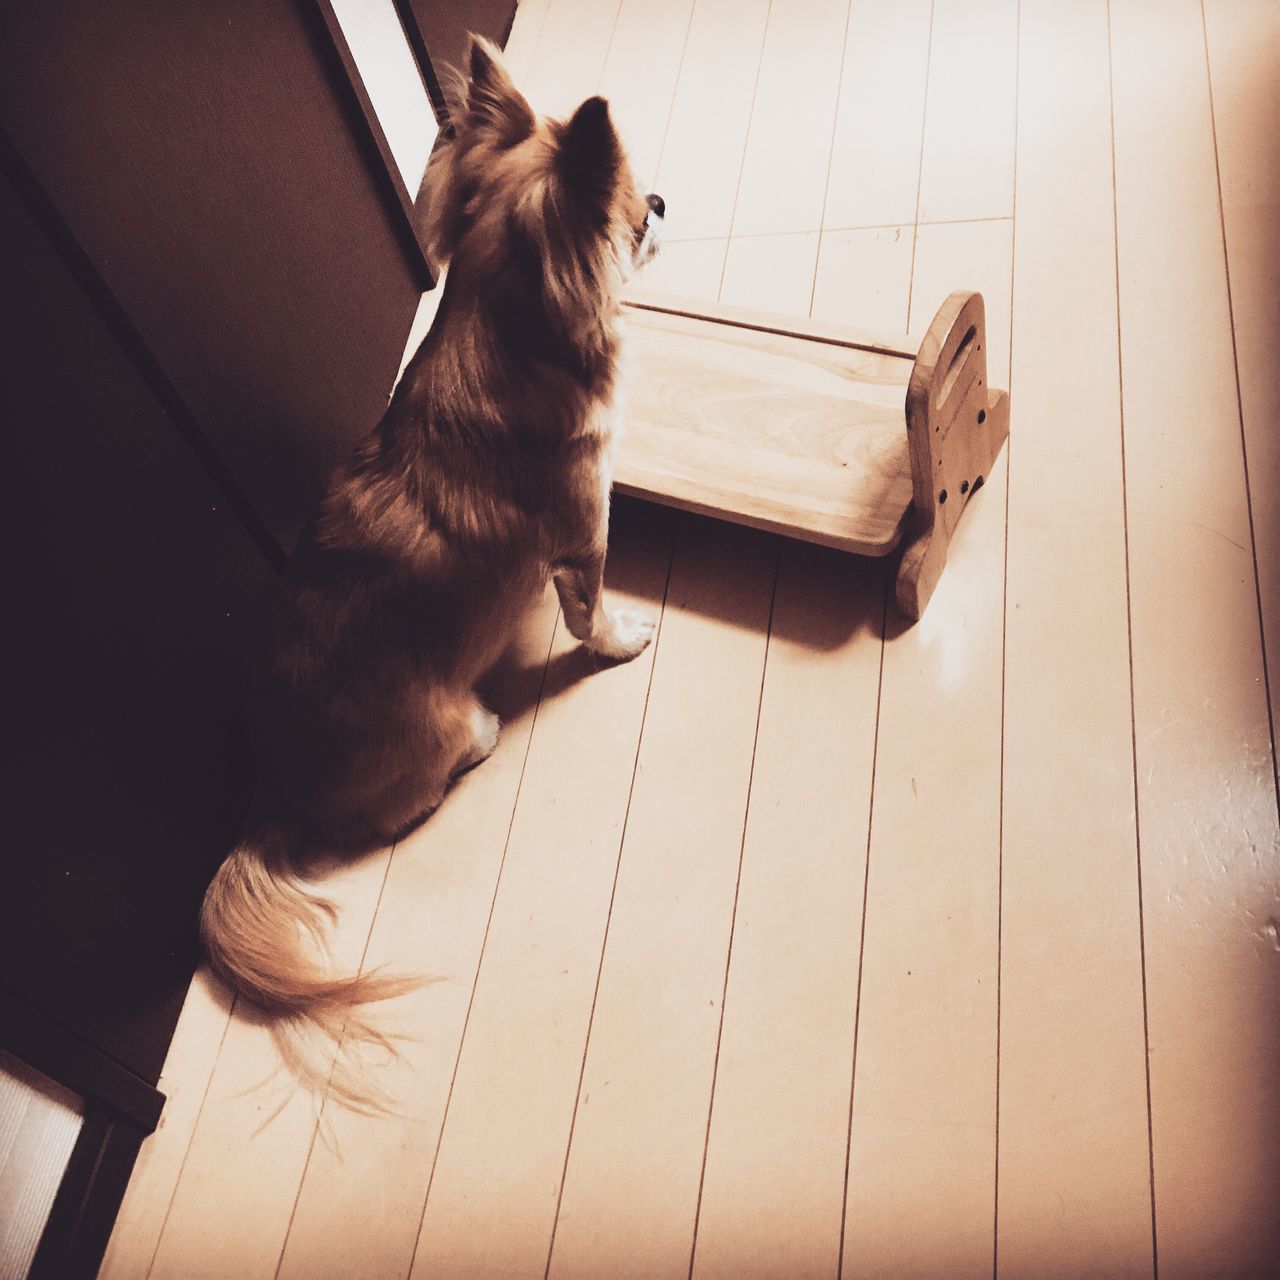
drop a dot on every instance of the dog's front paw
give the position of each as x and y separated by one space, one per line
629 633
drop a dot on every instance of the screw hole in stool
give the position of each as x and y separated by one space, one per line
982 416
942 497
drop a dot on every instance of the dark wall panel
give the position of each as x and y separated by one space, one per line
133 595
203 158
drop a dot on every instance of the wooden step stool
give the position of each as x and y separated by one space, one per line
798 427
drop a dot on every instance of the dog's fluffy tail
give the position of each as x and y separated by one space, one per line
264 935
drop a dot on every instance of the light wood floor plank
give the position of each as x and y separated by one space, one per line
391 78
1244 52
875 162
526 34
784 171
1074 1190
570 57
631 1179
922 1147
967 167
688 268
773 1190
432 920
493 1193
864 278
188 1069
1206 783
771 272
702 157
641 74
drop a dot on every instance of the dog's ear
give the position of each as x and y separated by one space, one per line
494 103
591 158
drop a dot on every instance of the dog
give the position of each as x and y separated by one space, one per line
489 473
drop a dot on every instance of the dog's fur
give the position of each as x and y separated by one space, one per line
489 472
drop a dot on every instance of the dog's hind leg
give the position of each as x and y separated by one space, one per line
460 736
404 803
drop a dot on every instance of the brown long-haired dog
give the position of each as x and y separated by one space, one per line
489 472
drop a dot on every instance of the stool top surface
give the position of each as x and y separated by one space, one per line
791 426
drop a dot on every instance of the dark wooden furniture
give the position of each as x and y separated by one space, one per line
208 274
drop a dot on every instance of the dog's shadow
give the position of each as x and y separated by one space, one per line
513 688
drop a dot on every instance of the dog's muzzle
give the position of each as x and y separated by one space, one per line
651 241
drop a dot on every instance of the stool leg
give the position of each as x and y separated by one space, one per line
956 426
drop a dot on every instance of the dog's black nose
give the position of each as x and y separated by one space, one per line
658 205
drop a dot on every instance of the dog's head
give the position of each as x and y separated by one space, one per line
531 206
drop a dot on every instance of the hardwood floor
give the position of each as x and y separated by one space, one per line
811 943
